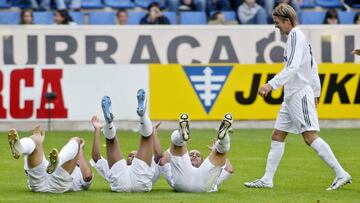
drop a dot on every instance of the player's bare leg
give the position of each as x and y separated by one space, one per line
218 153
180 137
325 153
145 150
274 157
31 147
113 153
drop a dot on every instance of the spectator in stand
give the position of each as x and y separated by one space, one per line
26 17
357 18
331 17
218 18
154 16
187 5
122 17
217 5
236 3
250 12
74 5
62 17
40 5
174 5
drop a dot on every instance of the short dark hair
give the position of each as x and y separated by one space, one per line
65 14
356 17
121 10
153 4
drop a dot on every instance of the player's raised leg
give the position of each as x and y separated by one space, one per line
218 154
274 157
31 147
67 158
181 136
113 153
145 150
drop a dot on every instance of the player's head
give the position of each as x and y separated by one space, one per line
285 18
196 158
131 157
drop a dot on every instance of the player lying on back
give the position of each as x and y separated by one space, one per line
139 172
186 171
67 170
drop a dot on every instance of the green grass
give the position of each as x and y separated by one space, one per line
301 176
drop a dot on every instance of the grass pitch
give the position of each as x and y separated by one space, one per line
301 175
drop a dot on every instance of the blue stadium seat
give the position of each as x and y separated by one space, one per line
78 17
4 4
102 18
9 17
171 15
43 18
308 4
145 3
346 17
329 3
229 15
91 4
312 17
119 3
135 17
193 18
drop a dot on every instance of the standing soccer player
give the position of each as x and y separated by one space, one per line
298 111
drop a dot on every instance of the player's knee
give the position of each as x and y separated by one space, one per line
88 177
278 136
309 137
229 169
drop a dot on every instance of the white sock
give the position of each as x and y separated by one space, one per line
109 130
274 157
325 153
145 125
223 145
176 139
25 146
68 152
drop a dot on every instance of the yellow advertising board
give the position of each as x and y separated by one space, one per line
208 92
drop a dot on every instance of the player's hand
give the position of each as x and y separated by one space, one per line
316 101
264 90
356 52
97 123
82 143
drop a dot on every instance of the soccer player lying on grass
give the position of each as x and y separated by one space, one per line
67 171
186 171
138 176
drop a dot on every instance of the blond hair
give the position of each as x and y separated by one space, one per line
285 11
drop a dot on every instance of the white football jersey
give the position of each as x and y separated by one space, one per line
300 67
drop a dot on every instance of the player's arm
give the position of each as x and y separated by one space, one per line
295 47
156 144
84 164
95 153
316 85
356 52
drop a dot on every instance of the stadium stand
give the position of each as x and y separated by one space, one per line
171 15
229 15
92 4
145 3
78 17
346 17
120 4
312 17
102 18
4 4
307 4
9 17
135 16
193 18
329 3
43 18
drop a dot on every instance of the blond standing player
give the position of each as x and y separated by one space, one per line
298 111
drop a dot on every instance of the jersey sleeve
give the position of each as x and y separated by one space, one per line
165 170
295 48
315 84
